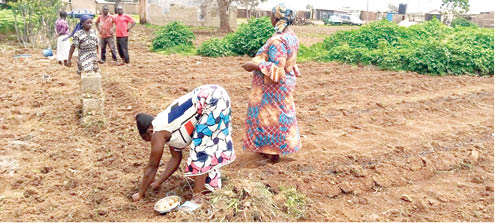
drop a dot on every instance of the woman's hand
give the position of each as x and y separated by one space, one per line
137 196
250 67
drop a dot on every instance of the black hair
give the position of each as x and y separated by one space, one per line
63 14
143 122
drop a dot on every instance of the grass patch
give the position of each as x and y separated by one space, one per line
295 202
312 53
184 50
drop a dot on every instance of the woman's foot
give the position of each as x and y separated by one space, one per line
269 158
274 158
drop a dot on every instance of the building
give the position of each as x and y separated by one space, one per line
484 19
368 16
435 13
322 14
189 12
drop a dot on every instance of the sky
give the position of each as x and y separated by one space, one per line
476 6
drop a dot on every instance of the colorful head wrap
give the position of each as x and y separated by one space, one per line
284 15
79 26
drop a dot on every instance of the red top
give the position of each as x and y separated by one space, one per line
121 24
105 26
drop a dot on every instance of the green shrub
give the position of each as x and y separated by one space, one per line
462 22
6 21
313 52
368 36
215 48
472 36
172 35
426 30
251 36
429 47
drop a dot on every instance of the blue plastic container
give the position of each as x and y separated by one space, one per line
47 52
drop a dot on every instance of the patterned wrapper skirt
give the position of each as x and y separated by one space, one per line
212 146
271 124
63 48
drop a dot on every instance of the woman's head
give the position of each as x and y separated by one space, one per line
86 22
63 14
282 17
143 122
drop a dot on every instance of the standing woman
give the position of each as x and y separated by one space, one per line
86 41
63 44
271 124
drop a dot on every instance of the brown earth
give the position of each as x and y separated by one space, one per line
377 145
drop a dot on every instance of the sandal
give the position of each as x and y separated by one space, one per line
189 206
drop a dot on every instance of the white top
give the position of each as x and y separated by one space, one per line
180 119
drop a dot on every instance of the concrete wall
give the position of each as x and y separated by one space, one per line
84 4
129 8
368 16
483 20
189 12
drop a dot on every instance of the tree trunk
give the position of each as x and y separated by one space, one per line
142 11
223 9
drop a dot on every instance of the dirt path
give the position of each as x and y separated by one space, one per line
377 145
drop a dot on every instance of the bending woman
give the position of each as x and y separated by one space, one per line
200 118
271 125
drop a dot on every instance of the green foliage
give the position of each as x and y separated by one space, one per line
427 30
295 202
455 6
368 36
172 35
314 52
462 22
6 21
34 21
251 36
429 47
246 40
215 48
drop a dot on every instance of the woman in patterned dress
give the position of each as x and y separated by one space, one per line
86 42
63 45
201 119
271 124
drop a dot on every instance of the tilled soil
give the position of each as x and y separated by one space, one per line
377 145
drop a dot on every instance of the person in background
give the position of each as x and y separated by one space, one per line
106 27
122 32
271 124
63 44
86 42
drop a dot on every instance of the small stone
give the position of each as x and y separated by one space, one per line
102 212
475 155
405 197
333 191
357 171
346 187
